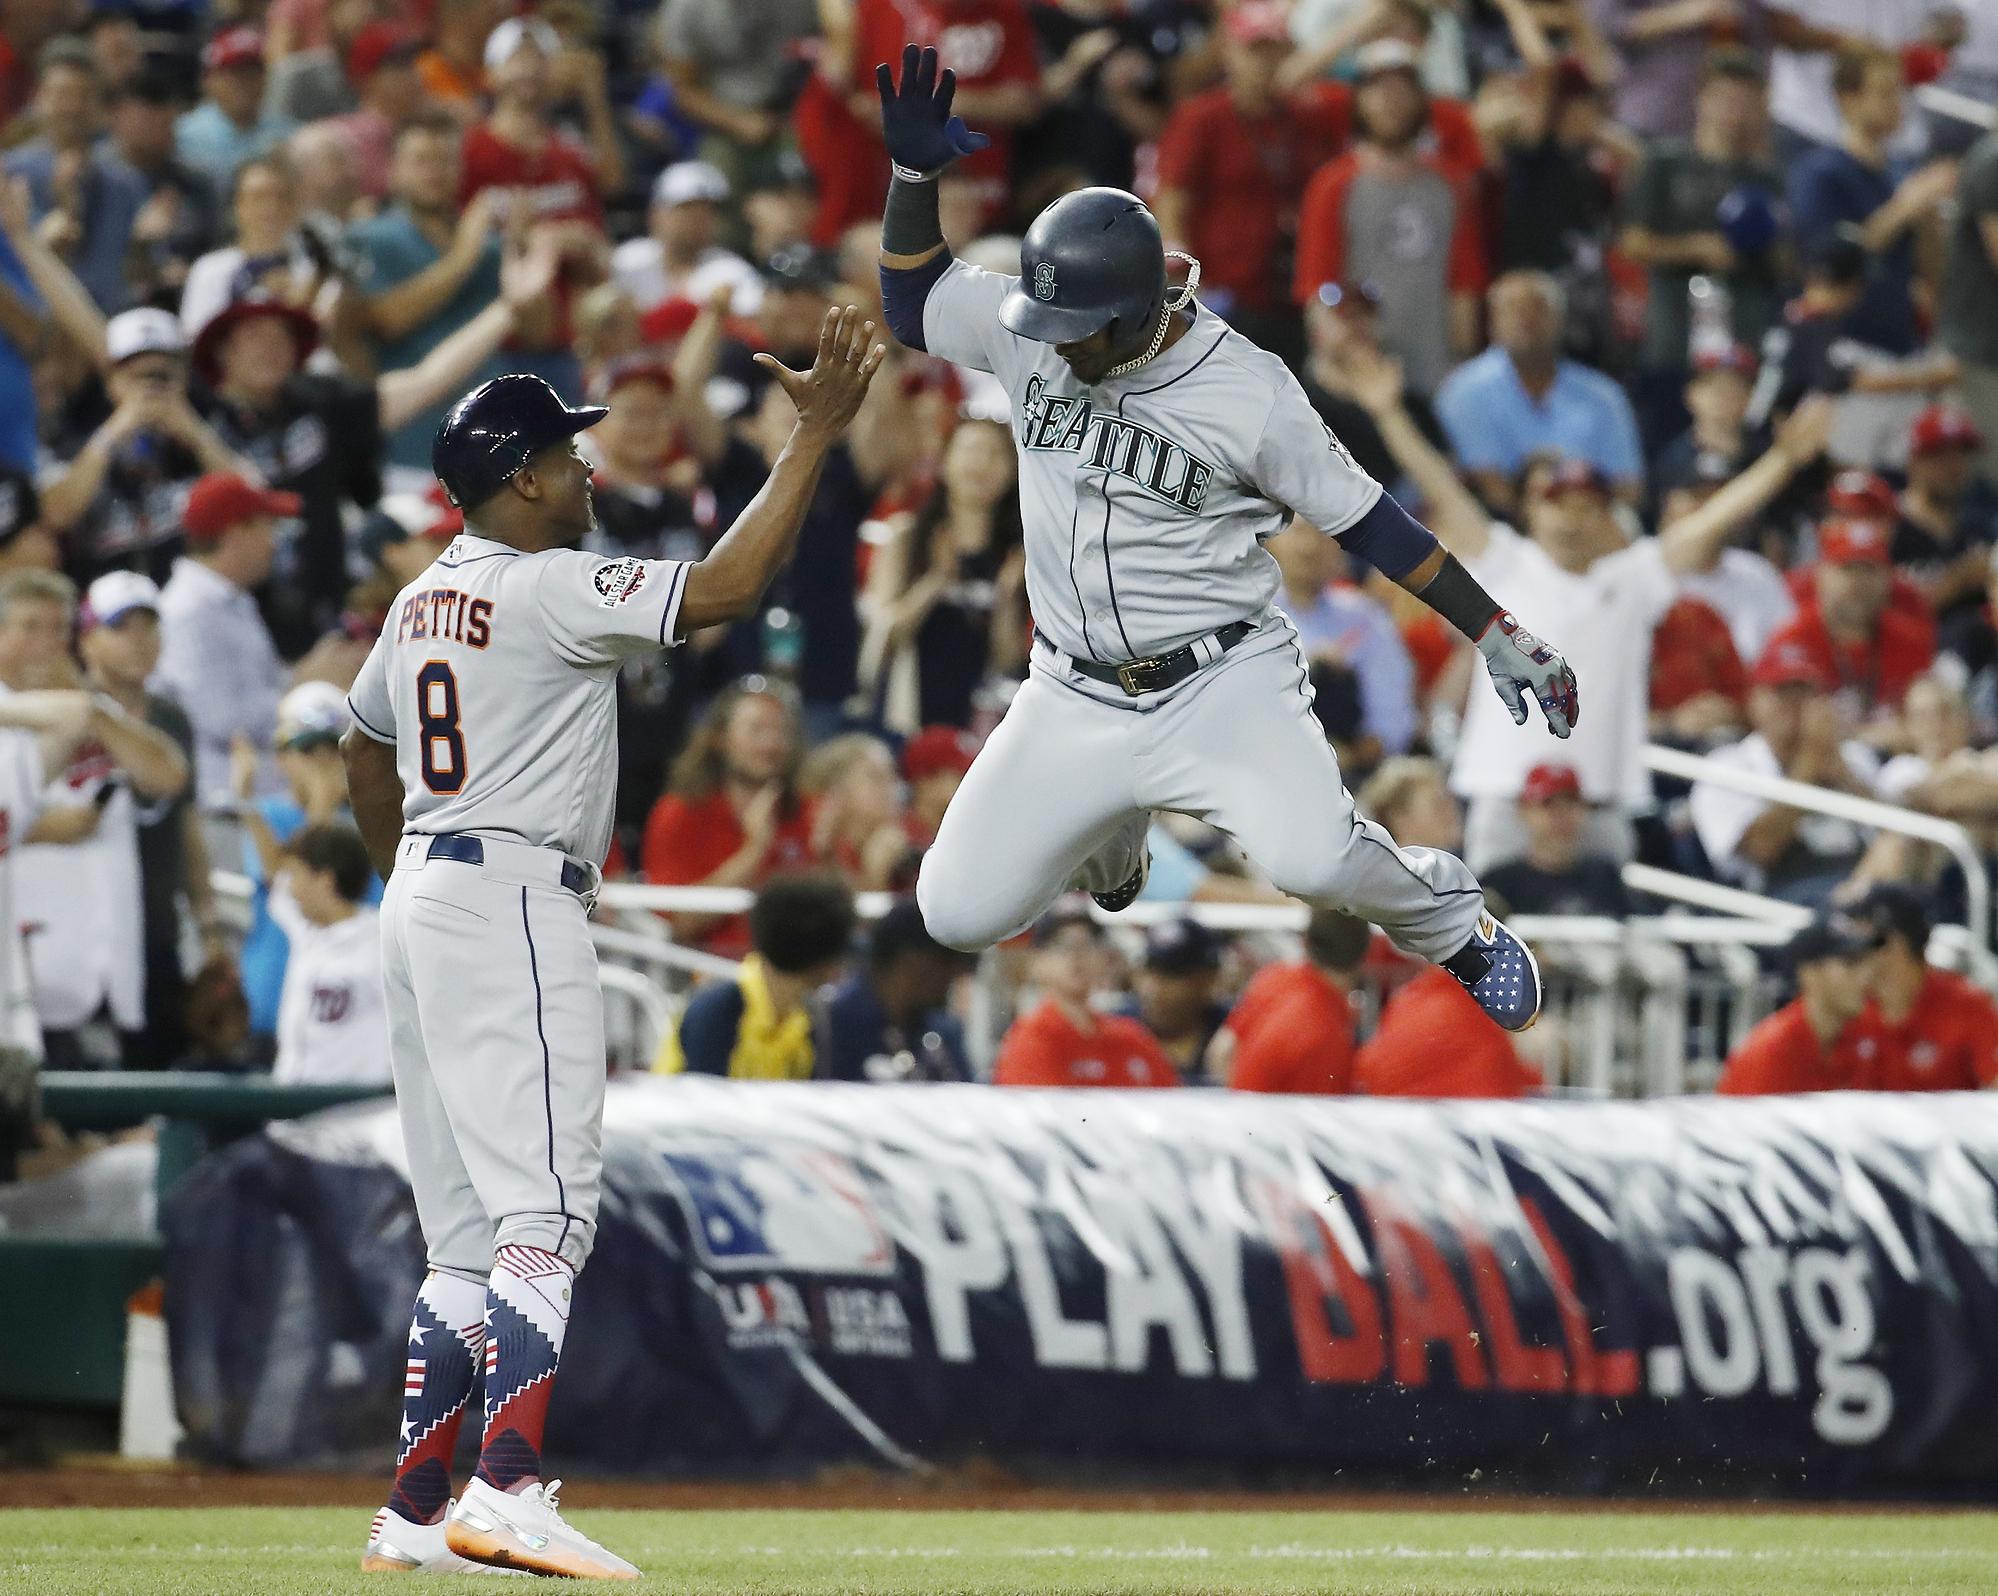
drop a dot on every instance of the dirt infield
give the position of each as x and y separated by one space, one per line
111 1482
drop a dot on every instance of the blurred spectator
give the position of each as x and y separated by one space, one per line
1799 731
1104 87
1341 326
1433 1040
1395 216
1291 1030
759 1025
265 254
934 762
1557 874
1941 773
778 207
1719 443
333 1018
1968 310
1344 624
310 721
1707 208
1066 1040
733 68
1521 397
181 217
946 596
381 65
1948 515
1601 595
1699 686
1177 985
1924 1029
1854 184
312 76
217 658
1233 162
426 267
453 70
731 815
857 828
1667 60
26 542
1867 647
230 125
119 641
1328 31
76 885
1798 1048
117 499
889 1019
86 201
678 260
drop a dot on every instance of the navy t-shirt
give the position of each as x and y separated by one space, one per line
1829 187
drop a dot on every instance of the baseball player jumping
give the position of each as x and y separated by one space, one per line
482 764
1157 449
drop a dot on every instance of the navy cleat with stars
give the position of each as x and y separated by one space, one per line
1497 969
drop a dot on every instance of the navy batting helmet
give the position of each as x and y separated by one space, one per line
489 434
1091 258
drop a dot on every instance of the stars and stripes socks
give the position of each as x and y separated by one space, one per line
527 1314
447 1342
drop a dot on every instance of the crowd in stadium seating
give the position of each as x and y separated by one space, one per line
1677 320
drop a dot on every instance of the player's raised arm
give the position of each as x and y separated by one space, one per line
728 583
923 138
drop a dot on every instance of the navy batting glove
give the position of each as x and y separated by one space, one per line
916 125
1520 664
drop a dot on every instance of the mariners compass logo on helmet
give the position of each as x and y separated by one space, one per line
1044 280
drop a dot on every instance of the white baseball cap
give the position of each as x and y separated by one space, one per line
312 712
115 595
512 34
684 182
143 332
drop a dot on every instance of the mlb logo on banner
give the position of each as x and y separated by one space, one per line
805 1211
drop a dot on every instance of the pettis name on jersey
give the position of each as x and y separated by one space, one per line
447 616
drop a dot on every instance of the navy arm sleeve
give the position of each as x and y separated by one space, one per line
1389 539
903 291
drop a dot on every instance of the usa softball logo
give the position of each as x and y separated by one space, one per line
1044 281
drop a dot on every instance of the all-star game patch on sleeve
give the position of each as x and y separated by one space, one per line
600 609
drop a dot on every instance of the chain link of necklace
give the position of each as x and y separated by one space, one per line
1175 301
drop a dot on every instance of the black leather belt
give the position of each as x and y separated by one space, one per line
461 848
1160 671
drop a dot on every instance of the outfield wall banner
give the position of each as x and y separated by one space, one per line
1786 1292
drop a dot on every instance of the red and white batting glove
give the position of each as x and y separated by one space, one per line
1521 664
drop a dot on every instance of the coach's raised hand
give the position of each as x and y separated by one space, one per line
828 396
916 122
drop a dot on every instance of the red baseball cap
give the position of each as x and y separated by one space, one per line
1259 22
1547 782
633 368
378 44
936 749
1576 475
1943 426
223 499
1853 540
1787 663
233 47
1738 358
1861 493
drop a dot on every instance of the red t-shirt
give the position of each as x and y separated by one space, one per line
560 185
1293 1032
1243 177
688 841
1781 1055
987 43
1948 1042
1692 652
1047 1048
1321 228
1877 674
1434 1041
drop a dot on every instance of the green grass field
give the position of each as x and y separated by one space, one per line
110 1552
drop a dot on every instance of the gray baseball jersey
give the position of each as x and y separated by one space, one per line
495 677
1146 498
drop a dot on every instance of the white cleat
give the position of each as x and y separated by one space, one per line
525 1531
396 1545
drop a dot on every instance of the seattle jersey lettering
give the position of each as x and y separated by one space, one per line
445 615
1071 424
